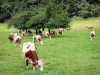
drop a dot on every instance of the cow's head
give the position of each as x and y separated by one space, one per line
40 64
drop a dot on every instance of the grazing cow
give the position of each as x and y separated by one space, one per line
29 51
38 38
11 37
92 35
29 32
46 34
14 37
53 33
17 39
60 31
20 32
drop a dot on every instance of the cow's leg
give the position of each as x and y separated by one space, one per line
34 67
91 38
40 64
26 63
62 32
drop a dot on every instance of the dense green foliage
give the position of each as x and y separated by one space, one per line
70 54
46 13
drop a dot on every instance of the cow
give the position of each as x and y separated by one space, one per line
29 51
14 37
60 31
52 33
29 32
38 38
11 37
46 34
68 29
20 32
92 35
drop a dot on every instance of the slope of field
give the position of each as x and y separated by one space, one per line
69 54
90 22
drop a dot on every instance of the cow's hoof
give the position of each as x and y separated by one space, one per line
27 67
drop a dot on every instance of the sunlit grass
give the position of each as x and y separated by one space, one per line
81 24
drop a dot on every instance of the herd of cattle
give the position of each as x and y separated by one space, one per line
29 49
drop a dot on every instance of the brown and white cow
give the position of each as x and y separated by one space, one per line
14 37
53 33
11 37
92 35
20 32
29 51
46 34
60 31
38 38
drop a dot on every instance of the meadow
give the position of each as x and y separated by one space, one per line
69 54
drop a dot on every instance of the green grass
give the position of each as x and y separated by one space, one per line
70 54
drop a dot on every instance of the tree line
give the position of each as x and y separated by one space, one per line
41 14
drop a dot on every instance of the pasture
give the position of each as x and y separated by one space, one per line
82 23
70 54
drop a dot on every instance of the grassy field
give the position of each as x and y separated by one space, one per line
82 23
70 54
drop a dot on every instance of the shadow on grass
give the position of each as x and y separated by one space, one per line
63 36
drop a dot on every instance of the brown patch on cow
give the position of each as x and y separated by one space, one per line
33 56
40 39
11 37
18 41
60 32
53 33
92 35
34 39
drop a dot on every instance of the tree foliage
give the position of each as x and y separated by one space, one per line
49 14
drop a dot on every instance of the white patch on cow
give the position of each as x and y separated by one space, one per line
92 32
45 34
40 64
33 68
16 37
31 62
37 37
62 32
28 46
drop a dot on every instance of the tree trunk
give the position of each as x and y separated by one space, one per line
43 29
26 30
49 31
36 31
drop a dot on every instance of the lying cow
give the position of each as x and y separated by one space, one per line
30 53
46 34
60 31
14 37
92 35
38 38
